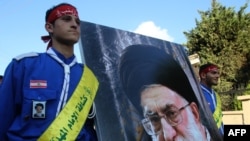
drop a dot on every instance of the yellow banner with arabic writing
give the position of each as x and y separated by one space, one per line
218 112
71 119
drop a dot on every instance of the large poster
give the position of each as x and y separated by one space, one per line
148 90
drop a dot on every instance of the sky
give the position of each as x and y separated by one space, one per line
22 21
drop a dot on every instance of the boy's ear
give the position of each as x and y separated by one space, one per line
202 75
49 27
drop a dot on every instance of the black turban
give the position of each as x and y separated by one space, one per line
142 65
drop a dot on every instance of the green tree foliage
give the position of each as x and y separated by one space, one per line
222 36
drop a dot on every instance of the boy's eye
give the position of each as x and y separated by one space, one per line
215 72
67 18
78 21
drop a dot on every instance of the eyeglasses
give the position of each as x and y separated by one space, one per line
152 123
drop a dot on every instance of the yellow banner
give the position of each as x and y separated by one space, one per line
218 112
71 119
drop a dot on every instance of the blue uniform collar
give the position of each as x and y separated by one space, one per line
65 60
207 88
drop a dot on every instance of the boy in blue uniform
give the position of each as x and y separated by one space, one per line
50 78
209 76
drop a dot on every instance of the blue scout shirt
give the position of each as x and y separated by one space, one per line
18 94
211 100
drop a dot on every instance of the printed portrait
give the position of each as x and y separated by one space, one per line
148 89
38 109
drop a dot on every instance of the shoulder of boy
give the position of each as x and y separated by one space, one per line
26 55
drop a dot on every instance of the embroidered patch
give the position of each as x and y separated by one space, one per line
38 110
38 84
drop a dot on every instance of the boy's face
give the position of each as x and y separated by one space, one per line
66 29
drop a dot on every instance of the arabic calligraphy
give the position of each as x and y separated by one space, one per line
73 118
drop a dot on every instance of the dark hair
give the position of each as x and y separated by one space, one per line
204 66
142 65
1 76
39 104
54 7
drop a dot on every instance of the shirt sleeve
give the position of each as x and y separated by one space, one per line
10 87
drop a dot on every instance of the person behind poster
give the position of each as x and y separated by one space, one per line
53 78
146 66
209 76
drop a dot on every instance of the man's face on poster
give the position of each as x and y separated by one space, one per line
170 116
